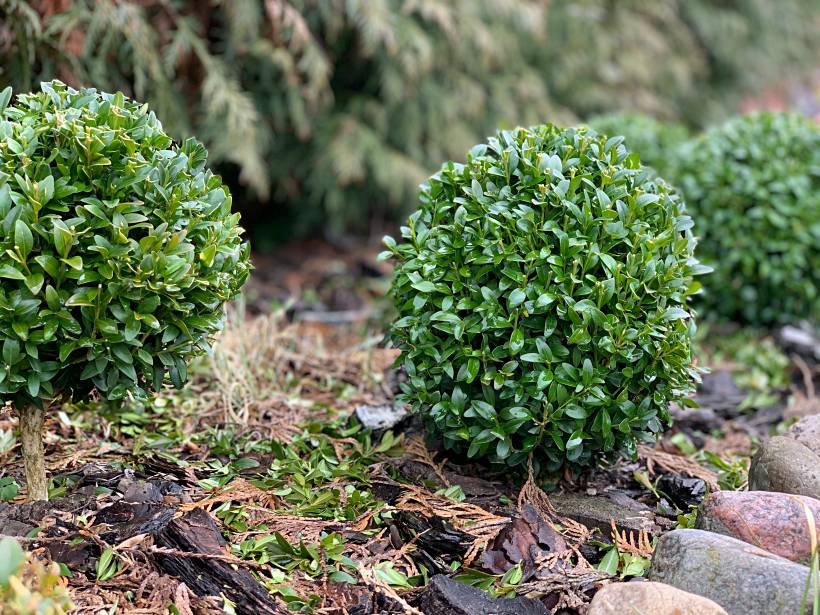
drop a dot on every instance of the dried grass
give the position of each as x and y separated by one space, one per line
269 374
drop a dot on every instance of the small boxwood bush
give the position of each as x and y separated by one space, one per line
542 297
656 142
753 185
118 250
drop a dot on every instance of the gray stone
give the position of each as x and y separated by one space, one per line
719 392
804 340
785 465
648 598
444 596
696 419
807 432
741 578
384 416
598 511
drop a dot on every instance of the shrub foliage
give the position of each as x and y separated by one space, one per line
118 247
542 292
655 141
754 187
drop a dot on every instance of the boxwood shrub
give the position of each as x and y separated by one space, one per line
541 290
655 141
754 187
118 250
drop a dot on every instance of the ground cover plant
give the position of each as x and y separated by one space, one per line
119 250
754 188
541 290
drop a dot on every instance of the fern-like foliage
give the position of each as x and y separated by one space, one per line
338 108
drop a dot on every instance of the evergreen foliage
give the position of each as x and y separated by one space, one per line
690 60
753 185
542 295
338 108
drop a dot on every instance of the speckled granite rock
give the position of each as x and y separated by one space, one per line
785 465
807 432
648 598
775 522
741 578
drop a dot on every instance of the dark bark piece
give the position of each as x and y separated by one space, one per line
438 542
443 596
19 519
682 491
128 519
196 532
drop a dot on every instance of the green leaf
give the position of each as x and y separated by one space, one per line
516 341
63 239
11 351
207 255
33 384
517 297
675 313
52 299
7 271
34 282
23 238
5 97
609 563
392 577
483 409
473 365
83 297
11 557
424 286
75 262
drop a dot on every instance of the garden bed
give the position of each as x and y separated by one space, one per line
256 488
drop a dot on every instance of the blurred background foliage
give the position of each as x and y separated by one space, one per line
326 114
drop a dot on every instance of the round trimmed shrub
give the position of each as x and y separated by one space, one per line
656 142
118 250
753 185
542 297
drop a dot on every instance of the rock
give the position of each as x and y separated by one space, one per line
381 417
804 340
696 419
719 392
596 511
443 596
741 578
775 522
785 465
648 598
807 432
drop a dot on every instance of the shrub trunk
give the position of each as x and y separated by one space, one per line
31 436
